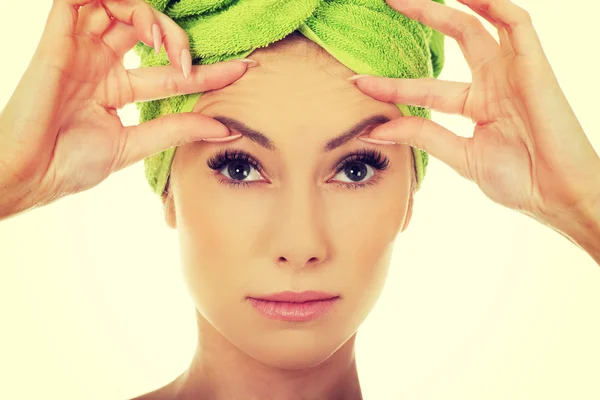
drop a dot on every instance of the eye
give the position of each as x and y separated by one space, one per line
236 165
360 168
357 171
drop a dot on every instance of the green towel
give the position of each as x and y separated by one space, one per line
367 36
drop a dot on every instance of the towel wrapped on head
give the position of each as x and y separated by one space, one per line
367 36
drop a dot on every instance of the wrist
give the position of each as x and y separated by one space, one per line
14 200
10 205
580 224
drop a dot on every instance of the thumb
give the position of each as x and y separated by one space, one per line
431 137
140 141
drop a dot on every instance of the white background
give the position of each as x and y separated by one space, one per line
481 302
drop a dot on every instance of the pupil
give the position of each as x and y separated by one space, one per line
356 168
238 170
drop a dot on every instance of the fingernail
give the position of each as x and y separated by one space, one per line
355 77
186 63
157 38
376 141
251 63
223 139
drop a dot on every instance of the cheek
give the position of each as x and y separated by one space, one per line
217 236
363 243
221 224
365 231
368 223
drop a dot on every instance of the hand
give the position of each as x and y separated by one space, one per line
60 133
528 151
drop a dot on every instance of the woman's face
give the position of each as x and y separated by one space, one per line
296 224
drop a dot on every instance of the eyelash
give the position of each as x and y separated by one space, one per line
371 157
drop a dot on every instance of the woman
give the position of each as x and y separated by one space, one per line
234 332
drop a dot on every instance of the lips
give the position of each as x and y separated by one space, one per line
297 297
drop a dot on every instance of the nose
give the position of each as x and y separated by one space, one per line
300 240
296 263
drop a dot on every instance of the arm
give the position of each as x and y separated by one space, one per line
581 227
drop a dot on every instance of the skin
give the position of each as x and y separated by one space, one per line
521 115
293 228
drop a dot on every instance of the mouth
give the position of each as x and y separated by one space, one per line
294 306
297 297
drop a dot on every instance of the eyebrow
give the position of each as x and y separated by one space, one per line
263 141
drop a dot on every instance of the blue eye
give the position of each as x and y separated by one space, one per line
237 165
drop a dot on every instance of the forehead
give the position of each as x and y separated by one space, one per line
296 85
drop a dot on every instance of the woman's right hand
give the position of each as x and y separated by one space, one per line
60 133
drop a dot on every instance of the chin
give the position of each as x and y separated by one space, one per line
292 349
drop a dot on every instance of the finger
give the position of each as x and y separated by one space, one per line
482 13
60 26
505 44
136 13
176 41
426 135
153 83
445 96
120 37
154 136
476 43
63 23
515 20
142 16
92 21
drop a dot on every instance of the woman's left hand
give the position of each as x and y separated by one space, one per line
528 151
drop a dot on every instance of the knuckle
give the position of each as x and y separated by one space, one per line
457 30
203 78
135 15
170 84
395 92
183 38
175 36
418 15
175 40
146 11
519 16
142 14
487 6
429 97
468 28
524 16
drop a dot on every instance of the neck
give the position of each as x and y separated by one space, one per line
219 370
